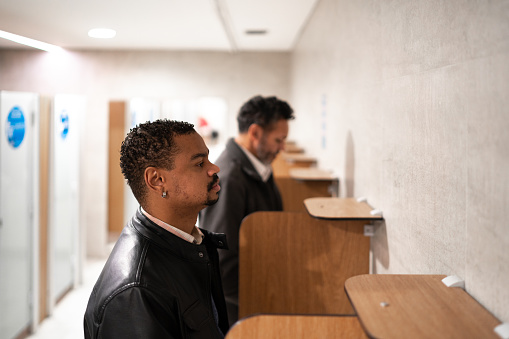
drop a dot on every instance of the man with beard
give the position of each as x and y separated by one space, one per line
247 183
162 278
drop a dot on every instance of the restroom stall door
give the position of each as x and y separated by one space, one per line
18 208
64 194
139 110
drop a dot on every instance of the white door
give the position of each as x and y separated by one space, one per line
67 114
139 110
18 168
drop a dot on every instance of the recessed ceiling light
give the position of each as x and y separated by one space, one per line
30 42
102 33
256 31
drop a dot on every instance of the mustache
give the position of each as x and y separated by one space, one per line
215 180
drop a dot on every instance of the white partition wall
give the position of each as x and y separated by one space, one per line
139 110
212 124
19 170
68 112
208 115
182 110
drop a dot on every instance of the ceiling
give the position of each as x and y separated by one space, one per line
213 25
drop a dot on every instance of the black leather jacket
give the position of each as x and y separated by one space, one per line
157 285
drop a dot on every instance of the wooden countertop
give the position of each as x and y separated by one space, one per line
297 157
293 148
339 208
311 174
296 327
417 306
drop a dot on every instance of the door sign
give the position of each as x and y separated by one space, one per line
64 124
15 127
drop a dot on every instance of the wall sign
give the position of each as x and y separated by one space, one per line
64 124
15 127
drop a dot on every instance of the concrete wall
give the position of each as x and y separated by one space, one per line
407 101
120 75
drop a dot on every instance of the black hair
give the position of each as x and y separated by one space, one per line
150 144
263 111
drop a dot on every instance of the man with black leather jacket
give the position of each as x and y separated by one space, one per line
162 278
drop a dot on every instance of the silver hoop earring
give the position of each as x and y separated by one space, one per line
164 194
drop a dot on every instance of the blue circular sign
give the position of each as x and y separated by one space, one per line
15 127
64 127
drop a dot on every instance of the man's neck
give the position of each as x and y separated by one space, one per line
184 221
187 225
243 140
262 169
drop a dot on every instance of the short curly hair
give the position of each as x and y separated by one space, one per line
150 144
263 111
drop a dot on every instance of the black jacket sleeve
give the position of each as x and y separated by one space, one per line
138 313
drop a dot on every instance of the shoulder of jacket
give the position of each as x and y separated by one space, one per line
217 239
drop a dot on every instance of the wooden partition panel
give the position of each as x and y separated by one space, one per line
285 161
115 178
292 263
297 327
293 192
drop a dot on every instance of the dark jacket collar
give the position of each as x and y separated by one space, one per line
171 242
238 154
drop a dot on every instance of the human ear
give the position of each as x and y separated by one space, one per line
255 132
155 180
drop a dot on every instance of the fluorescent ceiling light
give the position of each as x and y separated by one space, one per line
30 42
102 33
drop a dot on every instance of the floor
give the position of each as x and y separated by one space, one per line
66 322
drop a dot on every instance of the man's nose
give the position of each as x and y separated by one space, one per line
214 170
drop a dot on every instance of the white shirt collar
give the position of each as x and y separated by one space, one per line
263 170
195 237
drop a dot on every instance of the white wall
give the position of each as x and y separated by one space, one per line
416 111
120 75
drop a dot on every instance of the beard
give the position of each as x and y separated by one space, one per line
265 156
212 201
